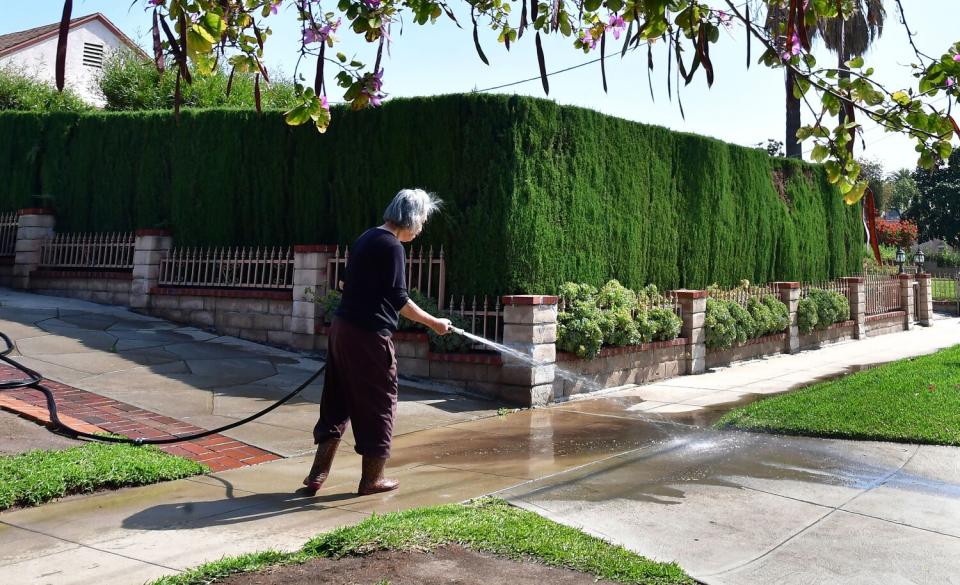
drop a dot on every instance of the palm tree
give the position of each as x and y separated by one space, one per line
777 16
852 37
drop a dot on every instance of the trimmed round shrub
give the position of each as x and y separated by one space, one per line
720 326
762 317
832 307
646 326
619 328
615 296
578 329
571 292
779 313
807 315
665 324
744 323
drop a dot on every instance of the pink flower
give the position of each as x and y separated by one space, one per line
324 103
371 88
587 40
950 82
373 4
957 57
274 5
616 24
312 35
793 47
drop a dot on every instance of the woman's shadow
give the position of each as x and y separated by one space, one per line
230 510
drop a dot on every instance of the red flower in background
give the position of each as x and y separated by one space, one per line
896 233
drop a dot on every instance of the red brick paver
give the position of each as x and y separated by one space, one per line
92 413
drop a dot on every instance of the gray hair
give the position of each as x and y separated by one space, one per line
411 208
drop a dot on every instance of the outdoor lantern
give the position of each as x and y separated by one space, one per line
918 258
901 258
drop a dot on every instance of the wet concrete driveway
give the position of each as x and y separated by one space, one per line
637 467
739 508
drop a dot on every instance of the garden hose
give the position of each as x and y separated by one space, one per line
34 381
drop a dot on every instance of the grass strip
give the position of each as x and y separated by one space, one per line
488 525
916 400
35 477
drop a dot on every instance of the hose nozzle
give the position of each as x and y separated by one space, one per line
456 330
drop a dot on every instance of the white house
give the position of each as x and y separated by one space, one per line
91 38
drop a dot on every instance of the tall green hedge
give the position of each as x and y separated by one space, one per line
536 194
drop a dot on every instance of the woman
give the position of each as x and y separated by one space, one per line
360 383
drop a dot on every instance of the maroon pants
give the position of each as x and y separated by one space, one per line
360 385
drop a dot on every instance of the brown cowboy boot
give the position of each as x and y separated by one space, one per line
321 464
372 480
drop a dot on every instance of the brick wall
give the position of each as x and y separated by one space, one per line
752 349
255 315
109 288
833 334
884 323
617 366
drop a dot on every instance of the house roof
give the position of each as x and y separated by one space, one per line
16 41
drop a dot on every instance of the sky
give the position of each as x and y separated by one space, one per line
744 106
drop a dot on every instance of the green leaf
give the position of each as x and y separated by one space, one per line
855 63
297 115
819 153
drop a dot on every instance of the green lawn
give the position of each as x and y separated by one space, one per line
915 400
944 289
485 525
36 477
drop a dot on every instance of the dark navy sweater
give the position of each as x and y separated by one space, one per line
374 287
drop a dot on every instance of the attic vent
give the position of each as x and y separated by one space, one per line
93 55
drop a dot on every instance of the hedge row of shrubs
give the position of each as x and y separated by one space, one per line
612 316
821 309
728 322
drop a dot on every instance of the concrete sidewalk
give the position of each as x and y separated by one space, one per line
726 505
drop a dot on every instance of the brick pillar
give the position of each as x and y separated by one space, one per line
693 309
906 300
529 326
925 317
149 246
309 272
790 296
857 296
34 226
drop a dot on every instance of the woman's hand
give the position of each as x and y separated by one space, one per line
441 326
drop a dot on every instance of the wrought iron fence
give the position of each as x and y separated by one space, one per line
743 294
247 267
945 289
426 273
883 293
483 317
837 286
8 233
108 251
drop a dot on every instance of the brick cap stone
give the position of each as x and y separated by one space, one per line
152 232
530 300
35 211
853 279
786 284
685 293
905 276
308 248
